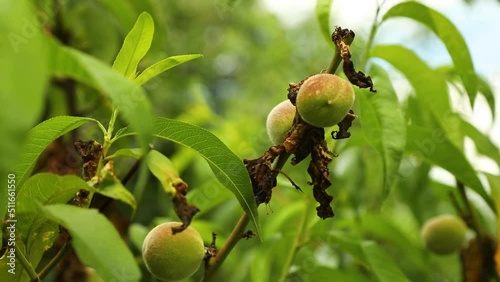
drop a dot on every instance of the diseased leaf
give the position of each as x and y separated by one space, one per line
126 95
323 16
164 65
96 242
433 146
381 264
227 167
383 124
40 137
430 87
448 33
135 46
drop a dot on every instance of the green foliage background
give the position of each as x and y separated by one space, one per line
382 188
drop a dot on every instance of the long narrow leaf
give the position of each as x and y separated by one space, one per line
483 143
433 146
323 16
125 94
135 46
36 231
430 87
383 124
164 65
96 242
448 33
39 138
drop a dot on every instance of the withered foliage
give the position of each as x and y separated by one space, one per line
304 139
262 176
357 78
344 126
90 151
478 259
184 211
320 175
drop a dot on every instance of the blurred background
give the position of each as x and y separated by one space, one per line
252 50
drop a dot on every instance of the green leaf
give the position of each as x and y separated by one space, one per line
388 229
383 124
433 146
164 65
494 181
137 233
134 153
126 95
485 89
112 187
323 8
448 33
227 167
163 169
345 242
483 143
381 264
36 232
40 137
323 273
135 46
45 188
24 76
430 87
96 242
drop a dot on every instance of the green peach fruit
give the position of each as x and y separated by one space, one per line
324 100
444 234
279 121
172 257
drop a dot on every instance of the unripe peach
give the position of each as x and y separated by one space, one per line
444 234
279 121
172 257
324 100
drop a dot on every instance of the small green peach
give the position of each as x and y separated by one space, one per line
444 234
324 100
172 257
279 121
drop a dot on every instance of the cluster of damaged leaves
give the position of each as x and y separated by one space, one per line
304 139
91 153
